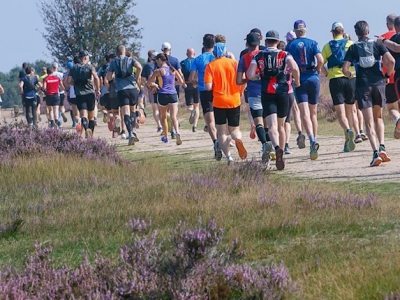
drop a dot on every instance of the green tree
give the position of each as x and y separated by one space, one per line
94 25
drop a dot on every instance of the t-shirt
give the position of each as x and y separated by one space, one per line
396 55
29 89
303 51
243 52
186 66
53 84
174 62
199 66
21 74
61 76
253 86
336 71
388 35
127 83
148 69
367 76
87 88
222 74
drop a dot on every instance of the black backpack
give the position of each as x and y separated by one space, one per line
29 84
82 74
274 63
124 70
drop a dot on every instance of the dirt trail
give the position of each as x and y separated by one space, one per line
332 164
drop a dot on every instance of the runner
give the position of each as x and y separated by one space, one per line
71 97
42 94
370 86
342 89
219 38
220 78
80 76
305 51
167 96
394 47
52 84
191 91
121 70
148 70
62 92
27 88
206 97
272 64
104 93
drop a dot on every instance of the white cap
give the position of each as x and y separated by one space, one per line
165 46
335 25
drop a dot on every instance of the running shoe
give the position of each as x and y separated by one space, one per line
383 154
123 135
140 117
272 155
350 140
280 163
241 149
135 138
178 139
358 139
301 140
363 135
78 128
118 125
229 159
64 117
345 148
266 151
159 129
114 133
194 129
131 140
397 130
74 125
58 123
173 134
253 131
217 151
192 115
104 118
164 139
89 133
111 123
314 150
376 160
287 150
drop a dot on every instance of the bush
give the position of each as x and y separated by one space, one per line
189 264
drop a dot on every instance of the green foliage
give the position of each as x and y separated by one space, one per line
97 26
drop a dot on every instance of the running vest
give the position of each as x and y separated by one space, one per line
167 82
366 55
338 49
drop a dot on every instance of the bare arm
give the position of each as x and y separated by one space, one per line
389 44
110 75
96 82
1 90
179 78
208 86
251 72
295 70
69 81
388 61
193 78
320 62
139 69
20 87
345 69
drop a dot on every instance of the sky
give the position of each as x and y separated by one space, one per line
183 23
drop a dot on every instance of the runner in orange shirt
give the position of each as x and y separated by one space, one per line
220 77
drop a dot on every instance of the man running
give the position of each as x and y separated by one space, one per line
27 88
121 69
305 51
220 78
342 88
370 86
80 76
206 97
62 92
191 91
272 64
52 84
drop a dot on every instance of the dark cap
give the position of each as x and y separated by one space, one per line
299 24
84 53
256 30
111 56
252 39
272 35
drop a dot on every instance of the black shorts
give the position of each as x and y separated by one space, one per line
275 104
103 99
128 97
52 100
369 96
246 95
71 101
165 99
62 97
232 115
342 90
86 102
391 96
289 113
206 100
37 99
191 96
397 83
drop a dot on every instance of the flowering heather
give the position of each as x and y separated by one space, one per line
19 139
393 296
189 264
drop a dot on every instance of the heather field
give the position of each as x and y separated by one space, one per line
94 220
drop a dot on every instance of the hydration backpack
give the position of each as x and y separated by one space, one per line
29 84
273 63
82 74
185 67
366 54
124 70
338 53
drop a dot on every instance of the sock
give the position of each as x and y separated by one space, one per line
300 132
382 146
261 134
127 121
52 123
91 125
311 137
287 145
276 148
267 135
375 152
72 116
84 123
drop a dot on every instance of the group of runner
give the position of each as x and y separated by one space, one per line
278 80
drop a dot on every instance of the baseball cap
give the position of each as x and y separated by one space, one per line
165 46
335 25
272 35
256 30
252 39
290 36
154 55
299 24
112 56
84 53
69 65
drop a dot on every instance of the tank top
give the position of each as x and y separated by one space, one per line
167 82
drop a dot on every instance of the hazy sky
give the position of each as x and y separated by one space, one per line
183 23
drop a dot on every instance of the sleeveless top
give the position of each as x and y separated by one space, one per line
167 82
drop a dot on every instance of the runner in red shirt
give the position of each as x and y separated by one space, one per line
51 87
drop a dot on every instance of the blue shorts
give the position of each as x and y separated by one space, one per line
255 103
308 91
